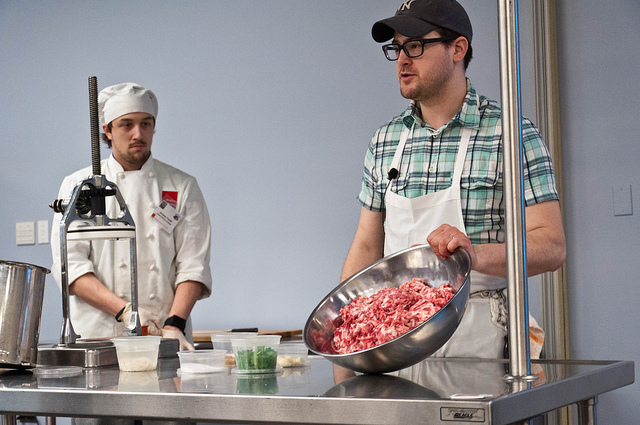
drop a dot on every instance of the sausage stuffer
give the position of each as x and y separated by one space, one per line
87 208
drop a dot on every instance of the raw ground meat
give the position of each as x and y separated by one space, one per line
387 314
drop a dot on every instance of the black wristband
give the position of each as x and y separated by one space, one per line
176 321
119 315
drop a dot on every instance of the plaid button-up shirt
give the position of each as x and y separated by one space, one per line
427 163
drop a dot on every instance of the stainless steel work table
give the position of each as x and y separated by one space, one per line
437 391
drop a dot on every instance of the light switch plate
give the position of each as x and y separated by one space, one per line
622 200
26 233
43 231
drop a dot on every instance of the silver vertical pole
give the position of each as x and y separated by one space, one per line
514 236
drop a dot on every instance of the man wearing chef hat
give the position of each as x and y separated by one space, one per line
172 253
434 173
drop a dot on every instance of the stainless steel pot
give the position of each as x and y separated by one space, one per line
21 296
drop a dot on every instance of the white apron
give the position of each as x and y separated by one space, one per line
410 220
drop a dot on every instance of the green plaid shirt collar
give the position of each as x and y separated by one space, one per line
468 116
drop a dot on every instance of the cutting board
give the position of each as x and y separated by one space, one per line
205 336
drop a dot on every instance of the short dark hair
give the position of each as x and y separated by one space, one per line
104 137
444 32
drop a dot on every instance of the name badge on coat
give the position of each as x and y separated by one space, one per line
167 216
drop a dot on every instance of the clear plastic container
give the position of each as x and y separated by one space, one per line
202 361
222 341
257 354
293 354
137 353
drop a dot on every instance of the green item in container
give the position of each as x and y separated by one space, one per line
263 358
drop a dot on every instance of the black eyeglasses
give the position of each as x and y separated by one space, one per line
412 48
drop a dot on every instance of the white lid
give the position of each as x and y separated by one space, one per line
256 340
202 353
135 340
290 347
45 371
222 337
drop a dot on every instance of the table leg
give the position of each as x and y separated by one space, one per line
587 411
9 420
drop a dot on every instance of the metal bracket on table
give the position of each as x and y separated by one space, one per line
97 226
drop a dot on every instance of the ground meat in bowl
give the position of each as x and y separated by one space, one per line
387 314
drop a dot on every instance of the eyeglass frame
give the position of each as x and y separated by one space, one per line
402 47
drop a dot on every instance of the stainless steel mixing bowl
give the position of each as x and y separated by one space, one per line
392 271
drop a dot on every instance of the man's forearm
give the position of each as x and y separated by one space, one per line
90 290
544 253
358 258
368 243
187 293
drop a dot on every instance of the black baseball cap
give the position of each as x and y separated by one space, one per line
415 18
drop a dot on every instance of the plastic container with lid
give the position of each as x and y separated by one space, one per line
293 354
137 353
202 361
257 354
222 341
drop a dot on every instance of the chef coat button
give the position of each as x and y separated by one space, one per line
121 295
153 267
123 265
121 175
150 236
151 205
152 296
151 174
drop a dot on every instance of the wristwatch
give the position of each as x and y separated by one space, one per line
176 321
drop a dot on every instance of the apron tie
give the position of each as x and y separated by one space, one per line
498 303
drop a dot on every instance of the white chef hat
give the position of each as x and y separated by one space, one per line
125 98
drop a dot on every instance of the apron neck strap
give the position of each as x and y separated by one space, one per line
465 137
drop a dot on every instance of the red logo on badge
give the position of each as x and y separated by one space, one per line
170 197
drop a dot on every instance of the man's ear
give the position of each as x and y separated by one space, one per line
105 128
460 47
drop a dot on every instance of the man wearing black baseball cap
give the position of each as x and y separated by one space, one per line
434 174
417 18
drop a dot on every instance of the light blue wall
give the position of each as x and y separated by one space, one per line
271 104
599 53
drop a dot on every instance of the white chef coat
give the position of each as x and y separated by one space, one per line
163 259
410 220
